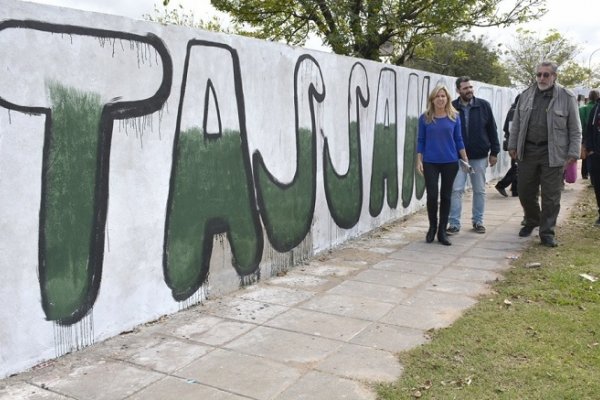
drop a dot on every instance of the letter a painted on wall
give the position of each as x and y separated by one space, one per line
384 173
75 165
211 184
287 208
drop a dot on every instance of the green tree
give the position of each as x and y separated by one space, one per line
461 56
530 50
572 74
362 28
593 78
180 16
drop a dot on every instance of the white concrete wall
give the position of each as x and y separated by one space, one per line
118 208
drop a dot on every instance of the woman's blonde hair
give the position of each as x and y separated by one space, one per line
430 112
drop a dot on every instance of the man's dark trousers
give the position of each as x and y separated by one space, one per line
510 179
534 172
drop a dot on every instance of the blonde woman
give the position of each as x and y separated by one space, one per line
439 145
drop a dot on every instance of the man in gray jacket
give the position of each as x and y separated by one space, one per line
545 135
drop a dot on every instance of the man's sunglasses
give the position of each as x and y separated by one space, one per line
544 74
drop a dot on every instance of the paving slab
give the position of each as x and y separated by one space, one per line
469 274
434 255
348 306
496 244
22 390
392 338
95 378
456 286
275 295
331 270
241 374
423 318
484 263
183 389
275 343
159 353
373 291
319 324
317 385
480 252
243 310
303 281
362 363
409 266
403 280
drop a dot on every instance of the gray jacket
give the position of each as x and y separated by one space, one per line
564 127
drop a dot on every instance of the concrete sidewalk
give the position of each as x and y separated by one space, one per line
325 330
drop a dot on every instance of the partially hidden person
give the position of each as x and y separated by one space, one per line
592 147
480 136
584 115
512 175
545 136
439 144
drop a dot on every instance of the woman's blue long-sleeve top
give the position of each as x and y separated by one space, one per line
440 140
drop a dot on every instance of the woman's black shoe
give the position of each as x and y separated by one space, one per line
430 234
443 238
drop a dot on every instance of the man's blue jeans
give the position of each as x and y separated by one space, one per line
458 189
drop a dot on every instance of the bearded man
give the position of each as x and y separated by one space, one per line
545 136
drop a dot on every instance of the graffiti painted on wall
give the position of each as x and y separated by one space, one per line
215 186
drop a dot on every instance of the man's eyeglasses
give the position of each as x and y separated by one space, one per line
544 74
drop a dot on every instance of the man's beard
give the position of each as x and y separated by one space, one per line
545 86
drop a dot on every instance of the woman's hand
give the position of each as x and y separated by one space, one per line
420 167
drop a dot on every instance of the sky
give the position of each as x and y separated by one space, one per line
569 17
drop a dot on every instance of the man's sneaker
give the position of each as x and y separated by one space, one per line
452 230
479 228
501 190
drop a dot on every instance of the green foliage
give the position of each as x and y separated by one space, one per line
461 56
534 337
374 29
573 74
530 50
593 78
180 16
